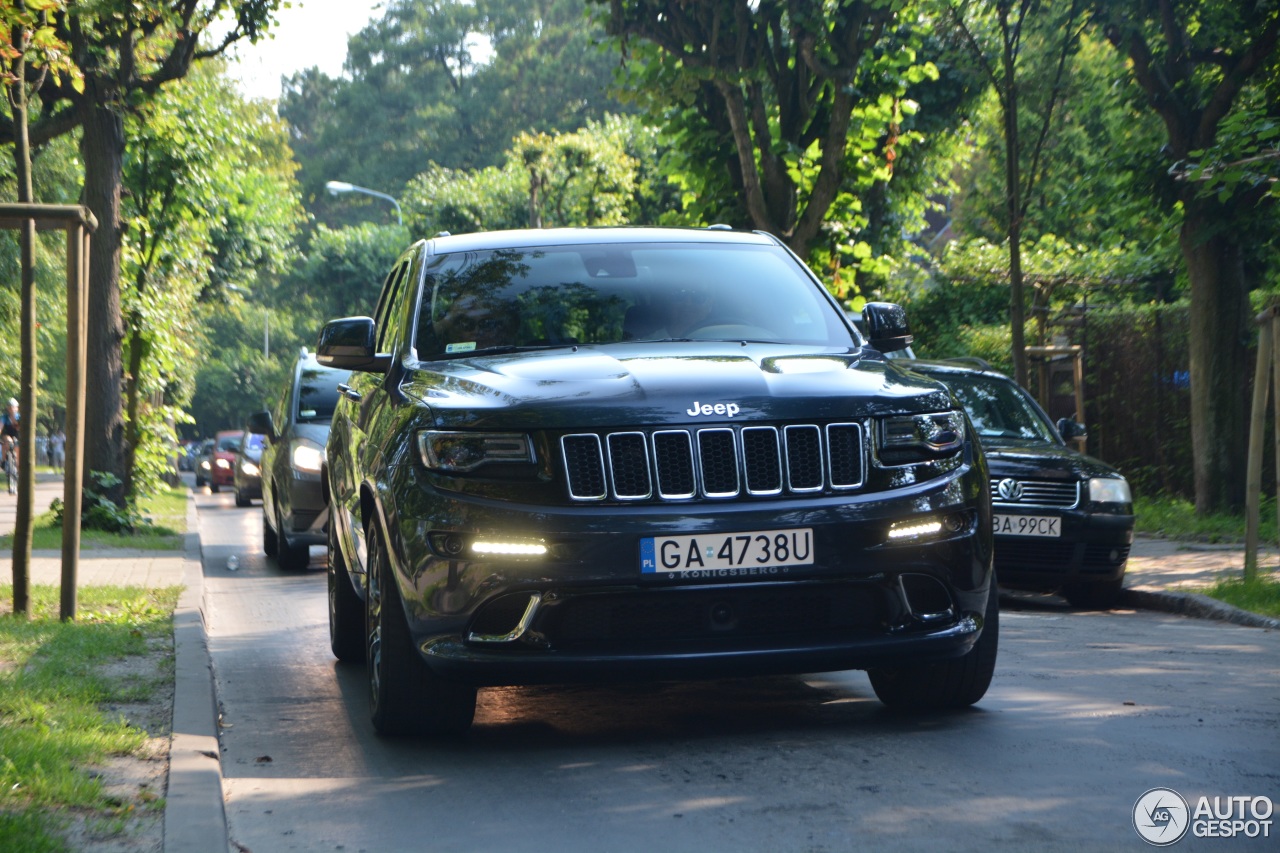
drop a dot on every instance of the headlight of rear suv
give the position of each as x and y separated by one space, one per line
305 455
249 468
1110 490
462 452
908 439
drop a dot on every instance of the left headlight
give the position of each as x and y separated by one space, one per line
249 468
908 439
1110 490
460 452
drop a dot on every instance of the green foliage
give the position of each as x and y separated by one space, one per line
1094 179
1157 514
815 94
213 208
587 177
98 511
423 89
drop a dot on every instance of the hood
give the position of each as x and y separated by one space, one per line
667 383
1041 461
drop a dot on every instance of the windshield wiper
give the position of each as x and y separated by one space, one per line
505 349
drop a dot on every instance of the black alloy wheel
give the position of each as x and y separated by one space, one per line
404 696
947 684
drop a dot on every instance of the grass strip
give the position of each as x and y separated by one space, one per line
53 691
1259 595
1175 518
166 522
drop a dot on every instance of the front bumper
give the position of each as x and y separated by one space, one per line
586 612
1093 548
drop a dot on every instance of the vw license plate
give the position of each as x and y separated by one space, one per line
1028 525
752 552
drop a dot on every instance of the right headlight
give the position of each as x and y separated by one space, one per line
906 439
1110 490
306 455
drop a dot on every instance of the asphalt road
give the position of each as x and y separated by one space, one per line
1088 711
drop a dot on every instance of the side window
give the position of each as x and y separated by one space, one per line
281 415
390 292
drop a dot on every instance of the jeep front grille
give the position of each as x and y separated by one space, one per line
715 463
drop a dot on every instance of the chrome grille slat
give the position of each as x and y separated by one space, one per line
717 463
629 466
1056 494
762 460
718 455
844 455
673 462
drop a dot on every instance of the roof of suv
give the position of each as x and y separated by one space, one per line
587 236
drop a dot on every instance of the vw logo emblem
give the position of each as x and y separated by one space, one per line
1009 489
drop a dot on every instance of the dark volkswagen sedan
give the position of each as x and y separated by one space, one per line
1063 520
598 454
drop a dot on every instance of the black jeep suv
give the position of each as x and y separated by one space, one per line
594 454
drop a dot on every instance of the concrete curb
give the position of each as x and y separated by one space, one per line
195 820
1194 605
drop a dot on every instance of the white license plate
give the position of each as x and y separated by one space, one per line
746 553
1028 525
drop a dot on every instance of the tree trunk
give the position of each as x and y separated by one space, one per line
1013 199
1219 362
102 149
22 532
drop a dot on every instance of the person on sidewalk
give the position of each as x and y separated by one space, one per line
57 450
9 436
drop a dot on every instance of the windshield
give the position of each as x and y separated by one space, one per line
607 294
229 443
999 409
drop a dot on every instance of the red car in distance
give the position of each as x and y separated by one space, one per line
218 468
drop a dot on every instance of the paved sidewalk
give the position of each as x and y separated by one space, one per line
97 567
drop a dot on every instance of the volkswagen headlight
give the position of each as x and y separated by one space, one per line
1110 490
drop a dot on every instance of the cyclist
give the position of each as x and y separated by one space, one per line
9 436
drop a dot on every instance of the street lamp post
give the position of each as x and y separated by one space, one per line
339 187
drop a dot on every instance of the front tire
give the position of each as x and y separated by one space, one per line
405 697
346 610
947 684
241 500
270 541
291 557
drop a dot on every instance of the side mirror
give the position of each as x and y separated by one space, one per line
887 327
1070 429
262 424
349 344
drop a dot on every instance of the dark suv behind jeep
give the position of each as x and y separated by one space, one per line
294 514
597 454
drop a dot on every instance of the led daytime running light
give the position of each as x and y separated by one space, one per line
518 549
915 529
